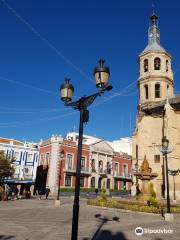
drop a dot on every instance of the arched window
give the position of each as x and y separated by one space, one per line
146 91
157 64
93 182
145 65
167 65
93 165
100 166
157 90
108 168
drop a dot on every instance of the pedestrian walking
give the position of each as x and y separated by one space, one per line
47 192
40 193
96 191
16 192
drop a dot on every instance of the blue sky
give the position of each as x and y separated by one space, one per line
43 42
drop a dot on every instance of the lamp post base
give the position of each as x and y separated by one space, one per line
57 203
169 217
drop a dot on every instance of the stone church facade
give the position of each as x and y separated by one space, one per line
158 114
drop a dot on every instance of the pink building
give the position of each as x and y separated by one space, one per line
100 165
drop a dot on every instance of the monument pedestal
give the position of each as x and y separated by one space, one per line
57 203
133 190
169 217
145 175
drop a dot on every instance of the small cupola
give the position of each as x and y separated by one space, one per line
154 36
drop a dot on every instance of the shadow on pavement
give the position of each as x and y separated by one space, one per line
106 234
5 237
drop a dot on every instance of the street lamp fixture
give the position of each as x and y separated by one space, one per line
165 151
165 143
62 153
101 74
136 166
67 91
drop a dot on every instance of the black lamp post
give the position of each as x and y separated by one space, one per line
136 169
60 170
101 74
174 173
165 151
136 166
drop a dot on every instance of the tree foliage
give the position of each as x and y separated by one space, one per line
6 169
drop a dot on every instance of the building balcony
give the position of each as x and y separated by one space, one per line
102 172
126 176
15 176
84 171
28 177
70 170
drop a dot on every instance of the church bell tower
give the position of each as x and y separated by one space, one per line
156 76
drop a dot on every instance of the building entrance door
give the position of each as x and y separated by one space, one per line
99 183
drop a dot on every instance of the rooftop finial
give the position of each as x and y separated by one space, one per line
153 8
153 17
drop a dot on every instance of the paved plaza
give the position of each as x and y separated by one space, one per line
35 219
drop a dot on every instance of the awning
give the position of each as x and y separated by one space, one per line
18 181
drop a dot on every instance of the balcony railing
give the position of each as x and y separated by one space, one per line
28 176
84 170
123 175
15 176
102 172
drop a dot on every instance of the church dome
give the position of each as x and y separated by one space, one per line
154 47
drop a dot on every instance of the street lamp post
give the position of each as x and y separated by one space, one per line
136 169
174 173
101 74
60 170
165 151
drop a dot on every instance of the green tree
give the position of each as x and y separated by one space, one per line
6 169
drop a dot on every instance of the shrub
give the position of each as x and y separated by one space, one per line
81 189
103 196
118 205
118 191
175 209
151 190
152 199
130 206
